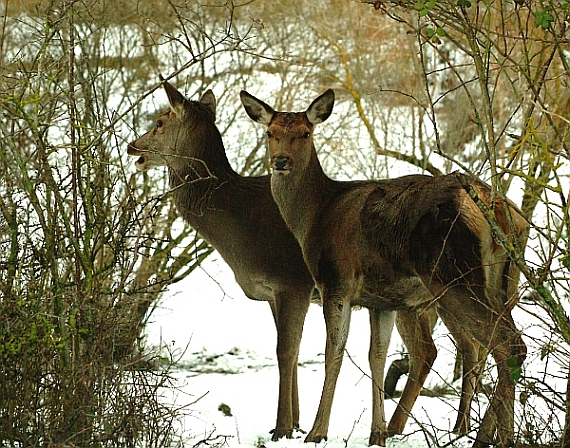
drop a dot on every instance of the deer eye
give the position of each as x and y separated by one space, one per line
159 123
269 134
306 135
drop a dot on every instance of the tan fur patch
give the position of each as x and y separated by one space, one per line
472 215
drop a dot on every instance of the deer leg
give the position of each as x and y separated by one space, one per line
469 380
509 351
495 330
415 328
381 326
468 352
397 368
336 308
289 311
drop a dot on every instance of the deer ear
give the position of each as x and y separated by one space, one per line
209 100
175 98
321 108
257 110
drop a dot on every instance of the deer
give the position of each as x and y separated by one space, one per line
239 218
397 244
172 143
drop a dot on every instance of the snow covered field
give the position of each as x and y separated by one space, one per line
226 345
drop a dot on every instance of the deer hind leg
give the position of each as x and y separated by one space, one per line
509 351
337 310
381 326
495 330
469 354
289 311
415 328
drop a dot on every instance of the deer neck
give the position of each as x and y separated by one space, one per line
200 186
301 195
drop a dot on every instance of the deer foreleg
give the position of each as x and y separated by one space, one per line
337 319
381 326
289 312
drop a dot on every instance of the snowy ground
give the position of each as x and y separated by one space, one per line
226 347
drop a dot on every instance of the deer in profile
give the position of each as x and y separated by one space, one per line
396 244
238 216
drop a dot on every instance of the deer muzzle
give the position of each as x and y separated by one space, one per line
281 163
133 151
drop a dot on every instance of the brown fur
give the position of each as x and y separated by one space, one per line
396 244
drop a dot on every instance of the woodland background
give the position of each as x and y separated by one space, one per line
87 246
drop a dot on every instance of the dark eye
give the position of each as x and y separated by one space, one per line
269 134
159 123
306 135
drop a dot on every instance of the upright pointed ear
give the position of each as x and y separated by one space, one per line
321 108
257 110
175 98
209 100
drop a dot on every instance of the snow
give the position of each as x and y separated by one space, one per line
252 399
211 327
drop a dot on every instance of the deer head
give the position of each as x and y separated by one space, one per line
165 143
289 134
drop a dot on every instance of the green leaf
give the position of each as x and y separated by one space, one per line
440 31
545 350
543 19
516 369
565 260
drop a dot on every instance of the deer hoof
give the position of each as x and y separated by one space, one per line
394 430
279 433
461 428
480 444
315 438
392 433
377 438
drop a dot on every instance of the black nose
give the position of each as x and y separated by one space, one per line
280 163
